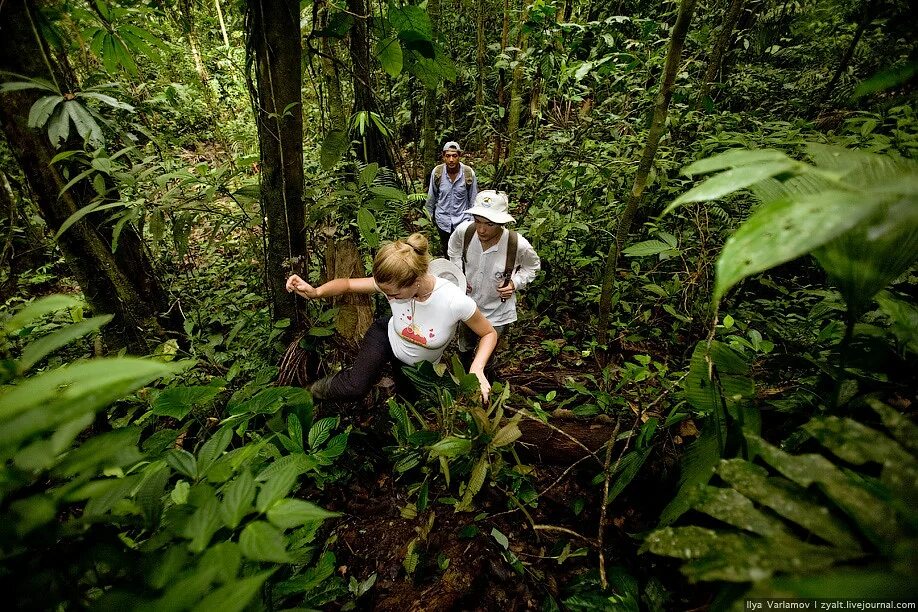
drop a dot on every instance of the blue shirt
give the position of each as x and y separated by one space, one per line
449 201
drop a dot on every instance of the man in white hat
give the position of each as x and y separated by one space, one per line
452 191
497 262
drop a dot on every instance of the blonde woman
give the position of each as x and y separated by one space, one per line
425 311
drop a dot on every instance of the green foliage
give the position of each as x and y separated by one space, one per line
853 515
858 212
59 110
94 518
465 441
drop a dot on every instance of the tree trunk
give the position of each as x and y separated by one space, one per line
480 51
337 118
724 39
275 52
431 103
355 311
373 147
226 41
516 88
122 283
23 244
501 84
660 111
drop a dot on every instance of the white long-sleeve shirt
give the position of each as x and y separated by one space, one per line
484 272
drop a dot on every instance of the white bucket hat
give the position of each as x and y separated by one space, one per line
492 205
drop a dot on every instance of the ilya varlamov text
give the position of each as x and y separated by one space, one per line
838 604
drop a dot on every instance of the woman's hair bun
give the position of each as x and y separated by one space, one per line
418 242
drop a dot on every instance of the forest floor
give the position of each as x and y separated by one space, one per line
507 554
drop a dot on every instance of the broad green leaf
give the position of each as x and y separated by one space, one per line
389 193
697 467
389 53
648 247
628 469
226 558
202 525
111 449
42 109
42 347
261 541
110 492
736 557
295 430
38 309
733 180
508 434
783 230
30 84
237 499
856 443
183 462
177 402
76 217
368 174
288 513
787 500
185 592
904 318
334 145
431 71
411 20
86 125
867 258
150 494
277 487
875 517
84 386
321 431
734 158
735 509
902 429
886 79
214 448
59 126
451 446
366 223
234 596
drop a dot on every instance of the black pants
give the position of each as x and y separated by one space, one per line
444 242
373 353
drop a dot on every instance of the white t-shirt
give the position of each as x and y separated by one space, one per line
420 330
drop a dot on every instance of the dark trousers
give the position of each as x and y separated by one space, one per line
444 241
373 353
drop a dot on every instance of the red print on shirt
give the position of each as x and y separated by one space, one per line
410 334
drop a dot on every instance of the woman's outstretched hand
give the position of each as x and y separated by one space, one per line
485 387
297 285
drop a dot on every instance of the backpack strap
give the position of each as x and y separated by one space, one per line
469 175
466 241
512 242
437 175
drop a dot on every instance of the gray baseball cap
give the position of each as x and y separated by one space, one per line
452 145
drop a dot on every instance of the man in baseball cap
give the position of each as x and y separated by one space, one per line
452 191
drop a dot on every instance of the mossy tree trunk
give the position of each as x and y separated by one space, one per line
122 283
273 30
657 126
